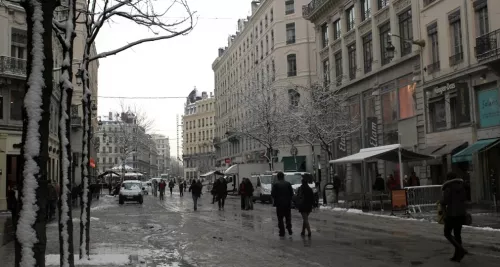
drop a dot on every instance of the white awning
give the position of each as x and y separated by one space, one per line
232 170
132 174
207 174
388 153
121 167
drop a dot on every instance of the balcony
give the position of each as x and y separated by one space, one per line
456 59
76 122
488 49
15 67
433 67
315 8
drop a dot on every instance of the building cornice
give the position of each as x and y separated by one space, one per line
316 9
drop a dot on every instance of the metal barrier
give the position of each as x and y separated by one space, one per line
425 196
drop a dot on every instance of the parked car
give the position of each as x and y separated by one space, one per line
131 190
146 187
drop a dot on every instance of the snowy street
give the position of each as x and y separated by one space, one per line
169 233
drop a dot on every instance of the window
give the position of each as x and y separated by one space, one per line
437 114
292 65
384 42
407 97
354 114
267 44
351 53
1 107
19 40
338 68
289 7
456 38
482 22
16 103
294 98
368 52
337 29
371 129
265 23
290 33
260 29
324 35
273 69
350 18
326 72
406 32
271 15
382 3
390 107
434 48
365 9
262 49
428 2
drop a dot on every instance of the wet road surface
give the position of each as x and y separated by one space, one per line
170 233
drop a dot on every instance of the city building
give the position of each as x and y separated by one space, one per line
371 50
198 125
124 143
163 148
275 43
461 92
13 55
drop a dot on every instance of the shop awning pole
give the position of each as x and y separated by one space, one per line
400 168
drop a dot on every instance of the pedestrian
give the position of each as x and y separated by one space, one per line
195 190
454 211
248 194
242 193
52 201
162 187
336 187
181 189
282 194
413 180
185 185
220 190
171 185
305 202
109 188
12 204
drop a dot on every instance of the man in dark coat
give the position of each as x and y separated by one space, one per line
453 203
195 190
220 190
282 194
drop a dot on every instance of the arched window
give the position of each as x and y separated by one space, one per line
294 97
292 65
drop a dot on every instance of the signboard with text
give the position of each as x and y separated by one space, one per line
489 108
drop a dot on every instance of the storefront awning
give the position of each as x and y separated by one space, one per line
429 150
466 154
388 153
207 174
450 148
232 170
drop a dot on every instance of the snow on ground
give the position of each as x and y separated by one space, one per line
357 211
95 260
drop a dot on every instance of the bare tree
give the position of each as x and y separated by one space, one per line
322 116
261 116
154 16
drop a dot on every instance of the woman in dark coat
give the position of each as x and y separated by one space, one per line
305 204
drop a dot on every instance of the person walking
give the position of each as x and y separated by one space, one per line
242 193
195 190
184 187
181 189
220 190
52 201
248 194
282 193
454 211
162 187
12 204
305 202
337 183
171 185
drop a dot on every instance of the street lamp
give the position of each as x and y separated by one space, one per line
390 49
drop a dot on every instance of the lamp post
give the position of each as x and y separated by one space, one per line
391 50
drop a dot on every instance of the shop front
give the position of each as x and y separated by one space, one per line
10 150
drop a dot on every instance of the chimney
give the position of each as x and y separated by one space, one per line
255 6
110 116
221 51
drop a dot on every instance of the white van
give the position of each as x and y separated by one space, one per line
266 182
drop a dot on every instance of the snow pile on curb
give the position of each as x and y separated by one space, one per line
95 260
357 211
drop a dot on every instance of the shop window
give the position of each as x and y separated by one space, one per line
16 104
355 115
389 107
488 108
437 114
370 124
407 98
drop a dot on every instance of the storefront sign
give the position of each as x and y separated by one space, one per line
341 147
463 103
489 108
398 200
228 161
372 131
443 89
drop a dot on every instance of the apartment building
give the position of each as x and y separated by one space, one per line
371 49
123 142
461 89
274 43
198 125
163 148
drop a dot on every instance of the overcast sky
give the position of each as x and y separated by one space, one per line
168 67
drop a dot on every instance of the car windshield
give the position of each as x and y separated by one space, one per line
266 179
293 178
131 186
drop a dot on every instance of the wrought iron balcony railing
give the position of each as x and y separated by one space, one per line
457 59
487 45
314 5
433 67
76 121
12 66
